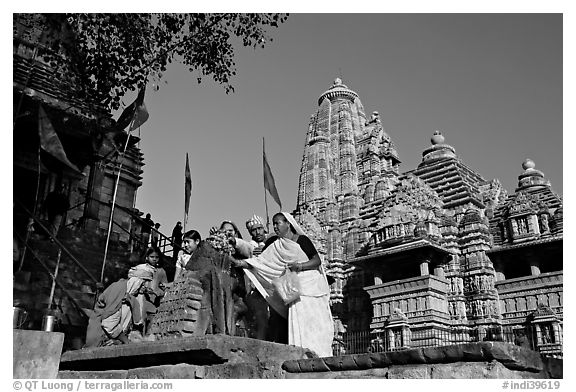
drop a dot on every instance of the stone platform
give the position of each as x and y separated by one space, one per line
209 356
471 360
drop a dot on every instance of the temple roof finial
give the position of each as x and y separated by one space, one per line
531 177
528 164
437 138
438 150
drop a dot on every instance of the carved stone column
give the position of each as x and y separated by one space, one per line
424 270
439 271
534 267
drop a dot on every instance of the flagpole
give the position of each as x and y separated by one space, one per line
29 224
114 203
265 196
185 214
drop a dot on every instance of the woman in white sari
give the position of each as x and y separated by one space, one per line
309 318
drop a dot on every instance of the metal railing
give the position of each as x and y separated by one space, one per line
54 278
164 244
358 342
57 242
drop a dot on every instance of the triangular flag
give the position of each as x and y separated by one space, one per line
269 179
134 114
49 140
187 187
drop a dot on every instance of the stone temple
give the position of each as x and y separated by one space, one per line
434 255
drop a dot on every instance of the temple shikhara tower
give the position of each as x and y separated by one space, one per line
433 255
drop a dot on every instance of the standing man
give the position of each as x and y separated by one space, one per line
257 305
176 240
258 233
56 205
147 225
155 235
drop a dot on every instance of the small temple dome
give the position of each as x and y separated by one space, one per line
438 150
531 177
338 90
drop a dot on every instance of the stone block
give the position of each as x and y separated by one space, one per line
512 356
344 362
476 370
434 354
553 367
201 350
103 375
380 360
346 374
179 371
405 357
313 365
363 361
36 354
291 366
472 352
409 371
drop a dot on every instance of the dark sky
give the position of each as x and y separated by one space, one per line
491 83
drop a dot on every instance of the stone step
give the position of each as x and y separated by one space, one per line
208 350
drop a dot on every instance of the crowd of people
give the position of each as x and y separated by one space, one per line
237 277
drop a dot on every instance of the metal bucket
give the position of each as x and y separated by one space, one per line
19 317
48 323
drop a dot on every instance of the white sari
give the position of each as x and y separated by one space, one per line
310 322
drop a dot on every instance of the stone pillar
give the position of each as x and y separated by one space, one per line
390 338
439 271
534 267
406 336
538 335
557 333
424 267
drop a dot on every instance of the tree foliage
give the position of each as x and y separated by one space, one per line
106 55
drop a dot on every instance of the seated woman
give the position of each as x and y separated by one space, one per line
117 310
308 319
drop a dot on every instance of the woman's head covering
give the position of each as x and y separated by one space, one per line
138 275
293 222
133 285
142 271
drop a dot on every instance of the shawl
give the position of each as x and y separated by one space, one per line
109 302
273 262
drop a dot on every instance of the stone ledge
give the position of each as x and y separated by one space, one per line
511 356
456 370
201 350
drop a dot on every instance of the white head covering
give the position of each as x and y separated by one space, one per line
293 222
143 271
133 285
254 221
137 275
